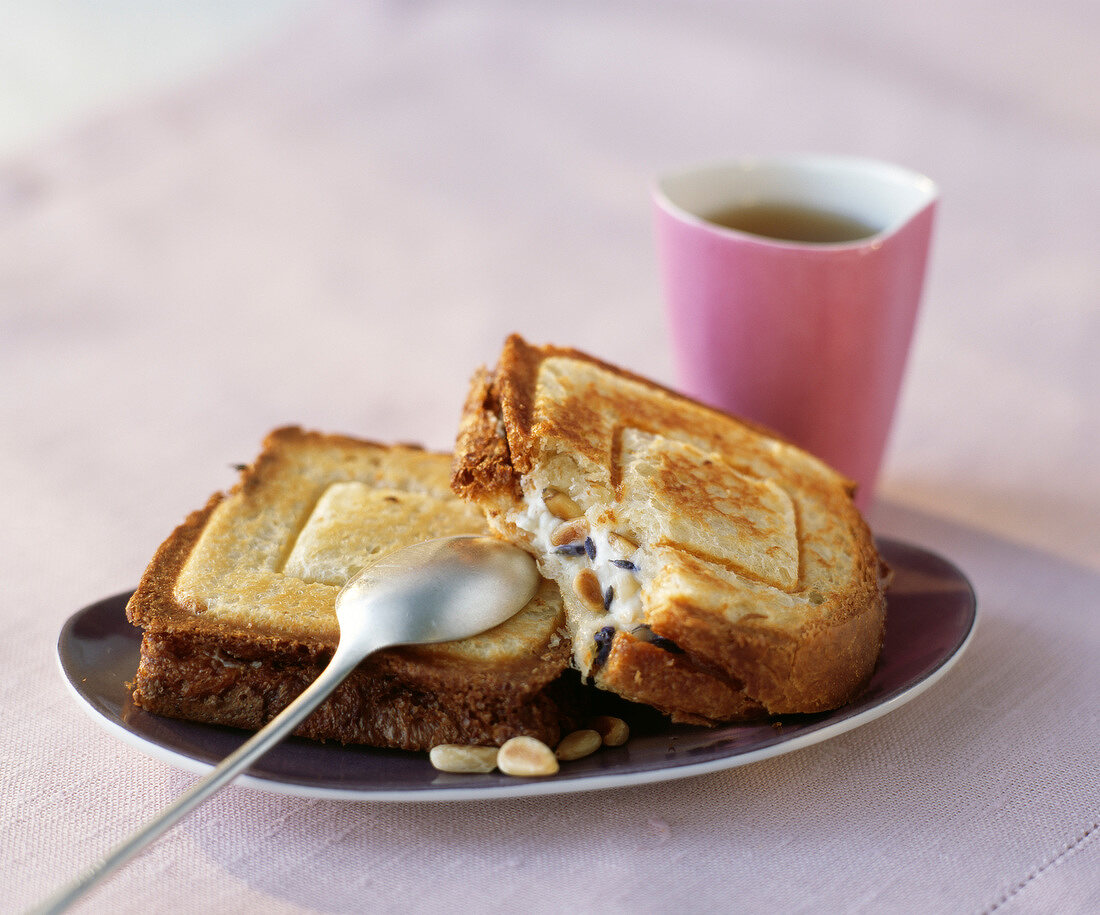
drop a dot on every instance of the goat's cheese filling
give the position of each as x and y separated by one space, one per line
600 566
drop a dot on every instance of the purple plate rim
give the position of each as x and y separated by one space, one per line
930 598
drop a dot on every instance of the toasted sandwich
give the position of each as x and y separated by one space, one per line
708 568
237 607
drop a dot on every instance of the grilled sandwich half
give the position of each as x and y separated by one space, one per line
237 607
708 568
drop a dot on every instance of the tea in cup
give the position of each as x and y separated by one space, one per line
792 285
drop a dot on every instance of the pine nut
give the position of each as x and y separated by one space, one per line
579 744
620 544
526 757
560 505
614 731
453 757
587 586
569 532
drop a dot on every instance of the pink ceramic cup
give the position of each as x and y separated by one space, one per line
808 338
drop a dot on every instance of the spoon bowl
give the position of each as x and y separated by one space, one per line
436 591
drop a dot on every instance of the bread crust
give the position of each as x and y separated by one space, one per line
482 462
216 669
732 668
385 702
642 672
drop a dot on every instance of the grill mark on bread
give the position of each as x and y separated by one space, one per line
576 412
726 565
799 539
615 461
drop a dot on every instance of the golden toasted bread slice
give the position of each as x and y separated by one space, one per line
237 607
708 568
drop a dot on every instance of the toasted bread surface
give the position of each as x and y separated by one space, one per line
739 557
237 606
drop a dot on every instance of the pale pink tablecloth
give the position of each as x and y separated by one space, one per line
336 229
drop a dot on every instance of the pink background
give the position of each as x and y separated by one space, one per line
335 224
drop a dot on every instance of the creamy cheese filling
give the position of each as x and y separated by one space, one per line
572 549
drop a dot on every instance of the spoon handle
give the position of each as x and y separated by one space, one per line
342 663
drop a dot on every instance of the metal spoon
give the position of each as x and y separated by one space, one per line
435 591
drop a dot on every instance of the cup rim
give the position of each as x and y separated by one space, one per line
924 189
